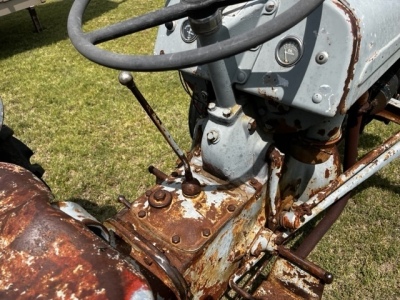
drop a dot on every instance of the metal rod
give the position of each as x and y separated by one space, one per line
306 265
235 277
126 78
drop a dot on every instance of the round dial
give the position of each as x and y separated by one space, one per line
187 34
289 51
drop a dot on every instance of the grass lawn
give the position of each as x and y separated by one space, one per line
95 142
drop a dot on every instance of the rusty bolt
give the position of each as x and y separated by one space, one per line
160 195
176 239
148 193
206 232
141 214
231 208
147 261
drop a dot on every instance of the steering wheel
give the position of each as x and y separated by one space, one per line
85 42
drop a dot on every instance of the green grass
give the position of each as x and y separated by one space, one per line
95 142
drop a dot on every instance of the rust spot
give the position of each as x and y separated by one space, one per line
47 253
312 151
355 29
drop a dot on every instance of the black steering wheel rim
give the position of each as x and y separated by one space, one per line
86 43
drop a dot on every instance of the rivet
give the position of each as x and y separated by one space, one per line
241 77
141 214
317 98
231 207
322 57
176 239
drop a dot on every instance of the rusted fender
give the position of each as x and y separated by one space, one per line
45 254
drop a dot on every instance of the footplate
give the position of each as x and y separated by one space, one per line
287 281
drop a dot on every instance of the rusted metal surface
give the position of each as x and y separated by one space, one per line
45 254
276 204
352 137
233 280
77 212
203 238
356 33
288 282
152 257
310 166
315 152
305 265
362 170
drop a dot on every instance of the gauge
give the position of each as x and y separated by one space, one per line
289 51
187 34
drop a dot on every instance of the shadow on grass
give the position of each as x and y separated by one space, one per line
17 32
101 213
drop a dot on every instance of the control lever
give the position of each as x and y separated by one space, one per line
190 186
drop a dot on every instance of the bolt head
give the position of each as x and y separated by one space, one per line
212 106
270 6
227 112
212 136
206 232
160 195
176 239
231 208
